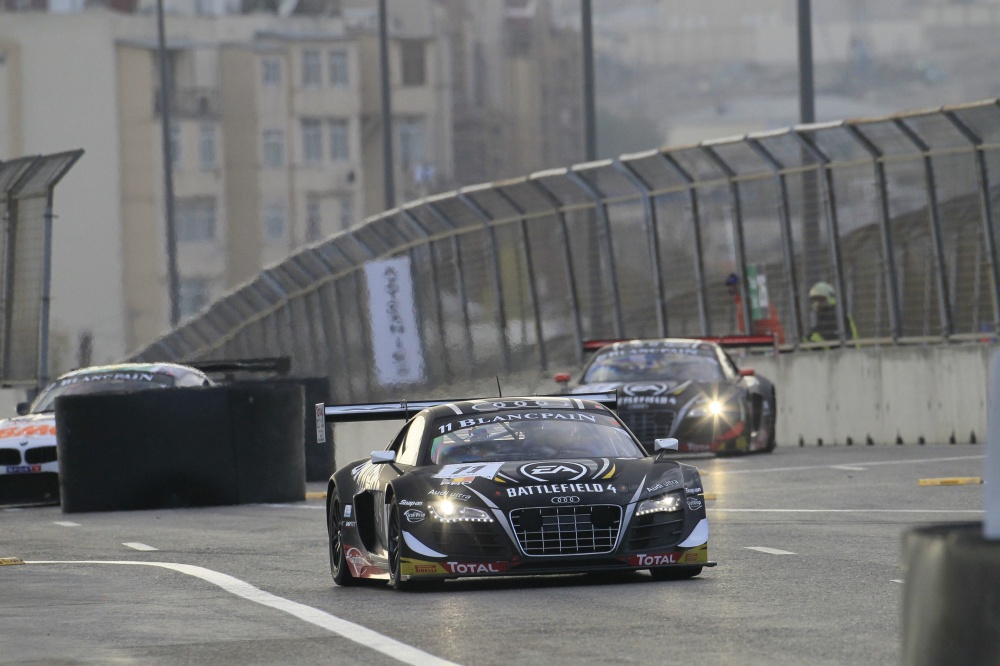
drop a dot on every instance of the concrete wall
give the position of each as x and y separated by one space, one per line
885 395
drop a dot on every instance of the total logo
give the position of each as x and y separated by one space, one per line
655 560
476 567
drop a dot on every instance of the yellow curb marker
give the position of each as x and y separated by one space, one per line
316 495
6 561
953 481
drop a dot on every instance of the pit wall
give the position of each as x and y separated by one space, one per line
880 395
934 394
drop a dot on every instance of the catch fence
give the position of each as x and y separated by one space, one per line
897 213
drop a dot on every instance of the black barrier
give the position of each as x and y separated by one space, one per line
180 447
319 456
951 596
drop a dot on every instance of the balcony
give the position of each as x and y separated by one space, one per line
192 103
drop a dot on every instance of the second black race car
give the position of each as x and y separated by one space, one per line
688 389
511 486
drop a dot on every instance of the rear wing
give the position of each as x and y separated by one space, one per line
279 365
403 410
721 340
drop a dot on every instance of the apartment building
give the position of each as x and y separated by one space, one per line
275 137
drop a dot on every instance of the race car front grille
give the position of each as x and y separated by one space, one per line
648 424
469 540
40 454
656 530
569 530
10 457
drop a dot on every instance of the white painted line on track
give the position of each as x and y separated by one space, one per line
135 545
66 523
847 510
349 630
865 464
769 551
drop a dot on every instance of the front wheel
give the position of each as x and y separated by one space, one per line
395 542
674 573
335 530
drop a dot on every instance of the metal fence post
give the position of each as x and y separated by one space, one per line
787 247
986 206
699 251
944 303
652 233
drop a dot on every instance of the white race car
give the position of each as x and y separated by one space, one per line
29 469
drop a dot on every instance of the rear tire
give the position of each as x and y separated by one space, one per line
675 573
338 560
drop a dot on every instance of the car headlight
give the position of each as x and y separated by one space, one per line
713 407
450 512
660 503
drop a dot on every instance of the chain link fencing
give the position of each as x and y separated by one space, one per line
897 213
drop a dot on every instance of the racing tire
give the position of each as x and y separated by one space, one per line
394 542
774 425
674 573
338 560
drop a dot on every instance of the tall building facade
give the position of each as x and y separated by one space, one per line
275 136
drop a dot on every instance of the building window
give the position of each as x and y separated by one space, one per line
194 219
338 69
274 148
270 70
411 141
175 147
346 211
206 147
192 295
414 65
312 141
311 69
339 144
314 220
274 221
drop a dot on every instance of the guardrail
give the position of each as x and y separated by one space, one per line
896 213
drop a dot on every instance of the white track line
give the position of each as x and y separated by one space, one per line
848 510
135 545
349 630
860 464
769 551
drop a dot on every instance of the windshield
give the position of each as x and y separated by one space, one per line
654 364
99 382
532 435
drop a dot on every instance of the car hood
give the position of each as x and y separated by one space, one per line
34 428
525 483
660 391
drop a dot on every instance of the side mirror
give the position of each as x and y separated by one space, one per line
382 457
665 444
747 372
562 377
22 408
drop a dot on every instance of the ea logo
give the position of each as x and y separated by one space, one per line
554 471
651 388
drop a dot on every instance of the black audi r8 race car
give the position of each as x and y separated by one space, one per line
511 486
688 389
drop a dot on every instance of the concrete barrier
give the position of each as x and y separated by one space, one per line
181 447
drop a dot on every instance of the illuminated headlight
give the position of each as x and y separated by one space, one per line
710 407
449 512
660 503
